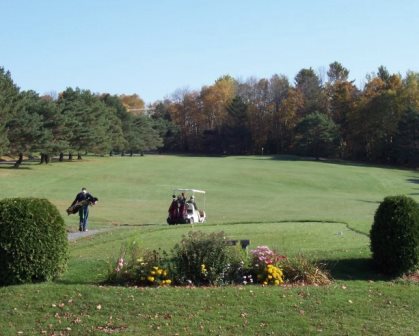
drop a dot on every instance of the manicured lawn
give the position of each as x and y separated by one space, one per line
322 210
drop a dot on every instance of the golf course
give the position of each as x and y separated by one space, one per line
322 210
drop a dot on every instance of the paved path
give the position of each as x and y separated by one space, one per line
78 234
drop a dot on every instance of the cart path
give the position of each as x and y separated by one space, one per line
81 234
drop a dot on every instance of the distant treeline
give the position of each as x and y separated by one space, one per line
319 117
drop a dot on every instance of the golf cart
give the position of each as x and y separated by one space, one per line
184 210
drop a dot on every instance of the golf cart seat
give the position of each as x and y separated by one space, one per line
190 208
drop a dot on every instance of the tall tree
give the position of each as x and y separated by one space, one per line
260 110
337 73
279 87
143 136
310 85
26 129
90 121
373 124
317 135
120 120
406 143
342 97
9 96
215 99
168 131
235 133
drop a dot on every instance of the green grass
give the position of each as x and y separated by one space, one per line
322 210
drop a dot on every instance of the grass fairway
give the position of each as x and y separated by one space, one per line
323 210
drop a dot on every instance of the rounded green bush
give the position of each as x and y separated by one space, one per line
395 235
33 241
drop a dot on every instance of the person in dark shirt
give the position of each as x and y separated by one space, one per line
84 199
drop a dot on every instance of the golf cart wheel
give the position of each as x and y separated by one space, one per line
191 221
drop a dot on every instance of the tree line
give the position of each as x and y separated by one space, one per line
74 122
313 116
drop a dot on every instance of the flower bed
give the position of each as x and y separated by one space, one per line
207 260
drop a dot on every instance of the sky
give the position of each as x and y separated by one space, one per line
154 48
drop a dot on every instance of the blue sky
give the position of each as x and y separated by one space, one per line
153 48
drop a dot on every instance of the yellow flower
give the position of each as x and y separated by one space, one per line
265 283
153 273
277 282
150 278
269 277
159 271
164 273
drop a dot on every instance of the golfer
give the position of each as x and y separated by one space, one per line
85 199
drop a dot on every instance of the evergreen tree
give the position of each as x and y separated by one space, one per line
9 96
406 143
26 129
317 135
143 136
235 132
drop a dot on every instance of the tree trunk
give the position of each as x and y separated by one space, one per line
19 161
79 156
131 153
110 153
61 157
70 156
42 158
123 153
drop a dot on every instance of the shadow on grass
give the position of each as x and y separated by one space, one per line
336 162
366 201
413 180
353 269
11 167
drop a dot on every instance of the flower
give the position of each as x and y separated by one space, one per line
119 264
264 263
265 255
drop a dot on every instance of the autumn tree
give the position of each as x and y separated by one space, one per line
342 98
215 99
373 125
278 90
133 103
185 113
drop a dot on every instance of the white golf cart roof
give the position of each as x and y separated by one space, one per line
189 191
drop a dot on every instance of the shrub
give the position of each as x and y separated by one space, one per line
33 241
299 269
205 259
395 235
